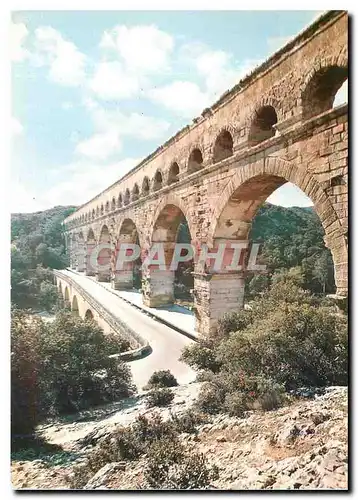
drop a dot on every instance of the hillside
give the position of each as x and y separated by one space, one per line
37 246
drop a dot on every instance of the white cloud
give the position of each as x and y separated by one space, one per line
184 98
66 63
134 124
111 81
144 49
21 200
84 180
100 146
216 68
18 34
16 127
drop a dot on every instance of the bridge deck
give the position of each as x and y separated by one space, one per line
166 343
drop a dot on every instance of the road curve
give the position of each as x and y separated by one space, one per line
165 342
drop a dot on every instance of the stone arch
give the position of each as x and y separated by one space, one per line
174 201
127 274
127 197
67 300
250 187
107 206
145 186
102 209
223 146
195 160
158 180
89 315
113 205
103 270
128 230
321 84
262 123
93 214
81 252
74 307
135 192
90 246
90 236
173 175
120 200
97 211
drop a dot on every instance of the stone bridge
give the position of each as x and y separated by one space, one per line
276 125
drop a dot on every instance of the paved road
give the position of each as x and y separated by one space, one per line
165 342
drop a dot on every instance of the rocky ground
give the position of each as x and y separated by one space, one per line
300 446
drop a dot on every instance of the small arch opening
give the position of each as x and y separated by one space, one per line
120 201
89 315
102 209
320 92
113 203
195 161
262 127
135 192
224 146
158 181
173 173
145 186
107 206
127 197
74 308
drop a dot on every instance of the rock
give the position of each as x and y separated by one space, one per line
319 417
288 435
221 439
100 479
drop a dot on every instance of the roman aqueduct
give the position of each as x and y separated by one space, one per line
276 125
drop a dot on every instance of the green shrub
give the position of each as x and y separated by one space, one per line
236 393
200 357
210 399
187 421
297 344
171 467
25 372
159 397
125 443
60 367
234 322
162 378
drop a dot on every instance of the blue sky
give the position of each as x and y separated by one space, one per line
95 92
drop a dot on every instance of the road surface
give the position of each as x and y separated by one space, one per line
165 342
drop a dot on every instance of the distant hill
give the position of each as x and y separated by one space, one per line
26 223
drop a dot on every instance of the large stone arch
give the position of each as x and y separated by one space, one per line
158 282
172 200
103 271
90 246
264 177
125 270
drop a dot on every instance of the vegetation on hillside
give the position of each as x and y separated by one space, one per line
289 338
37 247
61 367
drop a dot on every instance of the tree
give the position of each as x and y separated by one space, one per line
321 271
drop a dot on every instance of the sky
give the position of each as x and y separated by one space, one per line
93 93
